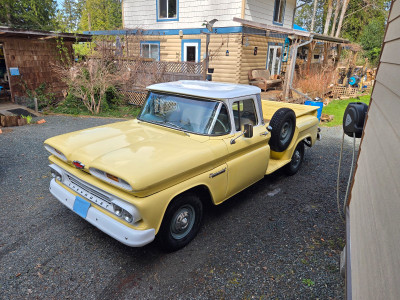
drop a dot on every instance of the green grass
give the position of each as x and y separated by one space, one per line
337 108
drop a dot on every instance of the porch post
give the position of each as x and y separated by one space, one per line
289 70
311 48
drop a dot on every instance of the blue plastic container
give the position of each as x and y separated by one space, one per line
315 103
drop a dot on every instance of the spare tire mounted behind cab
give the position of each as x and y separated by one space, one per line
283 125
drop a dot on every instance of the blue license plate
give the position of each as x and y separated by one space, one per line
81 207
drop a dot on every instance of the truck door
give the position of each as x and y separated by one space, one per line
248 157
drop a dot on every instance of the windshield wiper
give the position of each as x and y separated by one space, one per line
172 125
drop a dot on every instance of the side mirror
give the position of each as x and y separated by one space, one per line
248 130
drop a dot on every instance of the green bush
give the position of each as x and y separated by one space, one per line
71 105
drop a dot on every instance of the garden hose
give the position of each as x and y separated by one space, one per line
349 180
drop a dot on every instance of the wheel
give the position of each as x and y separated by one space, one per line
297 159
181 222
283 124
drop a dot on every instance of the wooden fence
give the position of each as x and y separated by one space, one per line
164 71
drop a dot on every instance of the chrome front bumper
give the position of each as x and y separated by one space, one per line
117 230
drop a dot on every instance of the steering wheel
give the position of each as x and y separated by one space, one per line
221 124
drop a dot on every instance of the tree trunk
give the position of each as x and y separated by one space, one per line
313 16
338 4
8 14
344 8
328 16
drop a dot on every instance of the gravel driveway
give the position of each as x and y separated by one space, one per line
279 239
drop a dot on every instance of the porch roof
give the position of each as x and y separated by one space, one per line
291 31
8 32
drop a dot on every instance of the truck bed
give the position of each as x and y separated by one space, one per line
270 107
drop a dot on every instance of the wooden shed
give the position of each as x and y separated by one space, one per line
373 212
26 57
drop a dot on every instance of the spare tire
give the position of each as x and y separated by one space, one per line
283 124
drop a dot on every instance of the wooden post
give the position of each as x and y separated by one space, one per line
326 46
242 15
289 68
207 54
36 104
339 53
311 48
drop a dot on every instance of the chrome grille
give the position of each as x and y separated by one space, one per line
88 192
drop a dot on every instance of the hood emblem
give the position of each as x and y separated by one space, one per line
78 164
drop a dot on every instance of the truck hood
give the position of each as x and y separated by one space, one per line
148 157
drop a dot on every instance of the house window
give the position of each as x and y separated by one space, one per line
167 10
279 11
150 50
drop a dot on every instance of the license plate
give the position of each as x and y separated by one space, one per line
81 207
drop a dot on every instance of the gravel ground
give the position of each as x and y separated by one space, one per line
279 239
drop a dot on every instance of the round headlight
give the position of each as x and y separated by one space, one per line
117 210
127 216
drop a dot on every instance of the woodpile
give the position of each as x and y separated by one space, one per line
326 118
9 121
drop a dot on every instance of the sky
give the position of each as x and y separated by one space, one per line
59 4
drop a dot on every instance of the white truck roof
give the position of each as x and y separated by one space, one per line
206 89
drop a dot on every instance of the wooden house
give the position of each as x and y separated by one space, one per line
246 34
26 57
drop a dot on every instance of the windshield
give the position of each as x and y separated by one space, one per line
196 116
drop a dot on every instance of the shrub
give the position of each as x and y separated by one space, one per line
316 82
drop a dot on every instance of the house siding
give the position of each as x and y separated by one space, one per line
249 61
375 198
263 12
143 14
34 60
226 67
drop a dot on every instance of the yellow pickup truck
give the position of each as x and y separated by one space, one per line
193 142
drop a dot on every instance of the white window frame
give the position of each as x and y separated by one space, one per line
159 18
151 44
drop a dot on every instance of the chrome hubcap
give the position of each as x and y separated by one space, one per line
285 132
182 222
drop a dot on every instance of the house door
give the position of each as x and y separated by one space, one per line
190 52
274 59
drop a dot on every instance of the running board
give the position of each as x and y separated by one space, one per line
275 164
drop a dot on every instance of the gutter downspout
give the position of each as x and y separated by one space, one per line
293 67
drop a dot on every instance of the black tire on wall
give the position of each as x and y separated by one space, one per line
181 222
283 125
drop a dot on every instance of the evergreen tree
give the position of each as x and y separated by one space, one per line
101 15
28 14
70 14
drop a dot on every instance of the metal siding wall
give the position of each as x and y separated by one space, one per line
375 197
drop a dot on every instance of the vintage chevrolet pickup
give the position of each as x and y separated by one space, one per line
193 142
